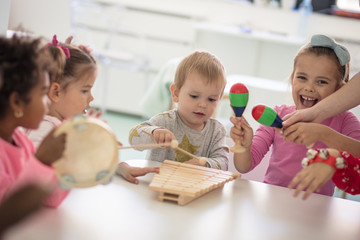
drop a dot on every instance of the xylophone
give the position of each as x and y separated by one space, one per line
182 182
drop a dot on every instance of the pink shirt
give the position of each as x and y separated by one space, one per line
46 125
285 159
18 167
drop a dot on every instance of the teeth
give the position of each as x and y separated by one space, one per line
308 99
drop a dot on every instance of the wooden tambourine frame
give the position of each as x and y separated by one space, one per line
91 153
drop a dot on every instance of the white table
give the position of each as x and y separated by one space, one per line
240 210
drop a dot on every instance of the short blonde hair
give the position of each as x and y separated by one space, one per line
201 62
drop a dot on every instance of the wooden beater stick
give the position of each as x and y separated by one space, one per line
175 145
155 145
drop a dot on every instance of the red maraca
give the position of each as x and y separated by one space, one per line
239 96
266 116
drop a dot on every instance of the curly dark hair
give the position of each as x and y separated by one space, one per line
22 61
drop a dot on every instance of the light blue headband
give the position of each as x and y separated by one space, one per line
324 41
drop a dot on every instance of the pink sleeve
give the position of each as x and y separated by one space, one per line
348 179
5 183
19 167
350 125
38 173
262 141
57 196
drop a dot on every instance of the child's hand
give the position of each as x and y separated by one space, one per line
97 114
130 173
313 177
197 161
94 113
14 208
304 133
162 135
241 131
82 47
51 148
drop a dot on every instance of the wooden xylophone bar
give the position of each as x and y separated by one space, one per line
182 182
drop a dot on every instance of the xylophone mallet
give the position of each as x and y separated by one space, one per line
175 145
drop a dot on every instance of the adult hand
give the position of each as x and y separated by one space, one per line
303 115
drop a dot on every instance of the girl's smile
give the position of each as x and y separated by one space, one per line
314 78
308 101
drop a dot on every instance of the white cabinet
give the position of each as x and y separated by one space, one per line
263 55
168 27
166 35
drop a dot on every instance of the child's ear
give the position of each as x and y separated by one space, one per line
54 92
174 93
15 102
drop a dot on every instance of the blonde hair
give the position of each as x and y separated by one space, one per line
70 69
343 71
203 63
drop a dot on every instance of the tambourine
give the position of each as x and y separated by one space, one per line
91 153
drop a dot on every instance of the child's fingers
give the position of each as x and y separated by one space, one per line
98 114
131 178
311 188
246 126
138 172
236 121
287 116
300 181
151 170
244 121
162 138
235 133
69 39
279 130
169 138
91 112
294 182
94 113
154 170
143 171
